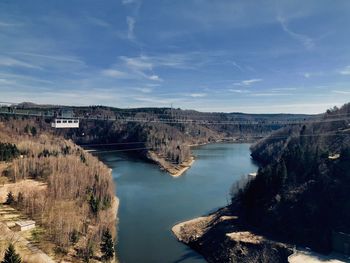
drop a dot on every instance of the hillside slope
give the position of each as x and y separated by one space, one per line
73 201
304 182
299 196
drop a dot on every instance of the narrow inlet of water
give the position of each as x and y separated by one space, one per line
151 201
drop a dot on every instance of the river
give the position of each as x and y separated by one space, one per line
151 201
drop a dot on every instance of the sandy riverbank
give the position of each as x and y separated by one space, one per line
178 171
173 169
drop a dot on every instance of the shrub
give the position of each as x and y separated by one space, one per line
8 152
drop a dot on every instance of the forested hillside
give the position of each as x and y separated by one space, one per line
301 191
74 202
164 131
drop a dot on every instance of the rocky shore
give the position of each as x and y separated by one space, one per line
222 237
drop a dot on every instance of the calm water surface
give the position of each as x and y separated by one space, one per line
151 201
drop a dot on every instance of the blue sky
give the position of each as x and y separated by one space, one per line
208 55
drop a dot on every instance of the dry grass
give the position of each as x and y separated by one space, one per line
25 186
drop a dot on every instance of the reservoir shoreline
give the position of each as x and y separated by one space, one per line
176 170
148 194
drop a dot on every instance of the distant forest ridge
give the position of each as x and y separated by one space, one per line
155 110
164 133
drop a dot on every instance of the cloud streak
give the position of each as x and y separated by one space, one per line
345 71
247 82
198 95
145 89
113 73
239 91
344 92
127 2
132 68
307 41
12 62
130 21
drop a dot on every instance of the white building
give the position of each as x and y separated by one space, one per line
65 123
24 225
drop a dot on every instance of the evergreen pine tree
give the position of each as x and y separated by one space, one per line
107 246
10 198
11 256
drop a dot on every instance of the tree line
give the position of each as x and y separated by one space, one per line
300 191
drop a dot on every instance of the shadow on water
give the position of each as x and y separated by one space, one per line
187 256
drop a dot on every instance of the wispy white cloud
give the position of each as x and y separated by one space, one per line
130 21
5 81
127 2
247 82
308 75
20 78
239 91
198 95
50 63
344 92
154 77
182 60
178 60
345 71
155 100
145 89
12 62
237 66
307 41
153 85
142 66
232 14
270 94
55 57
70 75
138 63
98 22
114 73
250 81
283 89
7 24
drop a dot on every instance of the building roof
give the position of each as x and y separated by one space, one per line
25 223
